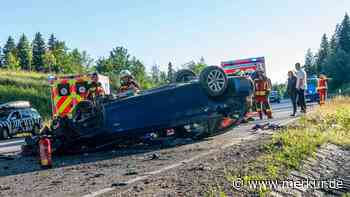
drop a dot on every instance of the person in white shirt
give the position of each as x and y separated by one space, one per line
301 86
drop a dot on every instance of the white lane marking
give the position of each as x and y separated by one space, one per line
180 163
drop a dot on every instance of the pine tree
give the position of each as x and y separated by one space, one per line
310 67
23 53
10 47
1 57
170 72
344 34
38 52
322 55
155 74
52 42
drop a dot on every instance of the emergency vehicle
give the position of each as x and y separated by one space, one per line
246 66
68 91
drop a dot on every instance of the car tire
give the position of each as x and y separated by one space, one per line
4 133
183 76
214 81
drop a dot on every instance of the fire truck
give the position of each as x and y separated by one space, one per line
68 91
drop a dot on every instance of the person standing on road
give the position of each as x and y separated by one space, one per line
262 90
322 87
301 86
292 90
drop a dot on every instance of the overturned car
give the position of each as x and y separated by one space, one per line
190 106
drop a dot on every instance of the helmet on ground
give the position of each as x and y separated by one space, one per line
125 73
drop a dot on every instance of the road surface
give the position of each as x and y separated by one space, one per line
94 174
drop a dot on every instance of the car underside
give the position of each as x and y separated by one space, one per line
190 107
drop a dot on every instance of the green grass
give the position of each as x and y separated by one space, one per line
288 148
31 86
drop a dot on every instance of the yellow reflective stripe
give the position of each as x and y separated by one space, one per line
56 99
72 81
78 98
260 93
65 104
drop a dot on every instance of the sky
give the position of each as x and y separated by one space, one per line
179 31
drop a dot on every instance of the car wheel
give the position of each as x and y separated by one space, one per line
184 75
36 130
4 133
214 81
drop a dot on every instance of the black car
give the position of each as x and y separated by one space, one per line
18 117
191 106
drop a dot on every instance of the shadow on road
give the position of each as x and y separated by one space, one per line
17 164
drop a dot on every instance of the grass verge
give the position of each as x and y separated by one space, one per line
289 147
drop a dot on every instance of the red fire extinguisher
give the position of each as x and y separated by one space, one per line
45 152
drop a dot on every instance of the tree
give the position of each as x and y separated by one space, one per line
310 67
170 71
1 57
163 78
86 59
38 51
12 62
322 55
52 42
104 65
344 34
60 53
49 61
10 47
23 53
155 73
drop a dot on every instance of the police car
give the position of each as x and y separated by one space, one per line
18 117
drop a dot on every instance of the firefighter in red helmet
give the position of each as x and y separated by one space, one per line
262 90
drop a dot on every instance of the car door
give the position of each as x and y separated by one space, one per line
15 120
27 122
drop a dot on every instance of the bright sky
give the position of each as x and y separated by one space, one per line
179 31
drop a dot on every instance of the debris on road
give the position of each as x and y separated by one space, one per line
119 184
267 126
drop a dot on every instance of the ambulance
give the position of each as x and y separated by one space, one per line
68 91
246 66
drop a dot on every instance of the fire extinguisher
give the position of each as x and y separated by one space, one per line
45 152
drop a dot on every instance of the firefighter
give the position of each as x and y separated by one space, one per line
262 90
95 90
128 83
322 87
